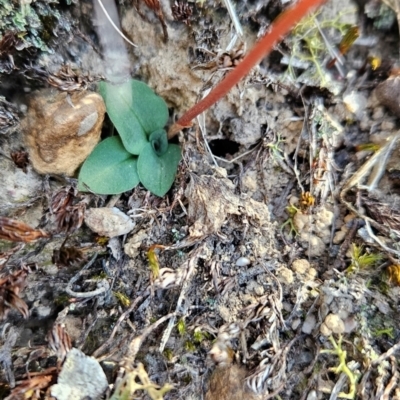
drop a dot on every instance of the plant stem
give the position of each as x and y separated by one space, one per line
279 28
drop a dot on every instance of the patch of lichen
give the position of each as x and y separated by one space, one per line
35 24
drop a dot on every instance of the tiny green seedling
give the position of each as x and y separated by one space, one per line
362 260
141 152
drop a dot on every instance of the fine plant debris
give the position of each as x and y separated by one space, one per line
199 200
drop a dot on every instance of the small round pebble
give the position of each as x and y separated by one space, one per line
350 324
285 276
300 266
325 331
334 323
295 323
309 324
242 262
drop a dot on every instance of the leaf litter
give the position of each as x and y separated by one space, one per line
260 314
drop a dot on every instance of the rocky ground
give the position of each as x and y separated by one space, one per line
269 270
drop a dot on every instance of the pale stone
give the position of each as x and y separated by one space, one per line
81 377
242 262
350 324
285 276
301 266
295 323
312 395
312 274
325 331
309 324
109 222
131 248
61 130
334 323
355 103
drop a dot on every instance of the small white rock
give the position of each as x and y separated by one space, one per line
81 377
312 395
325 331
309 324
350 324
242 262
285 276
295 323
107 221
355 103
334 323
301 266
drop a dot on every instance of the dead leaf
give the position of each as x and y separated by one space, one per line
30 388
17 231
59 341
10 287
21 159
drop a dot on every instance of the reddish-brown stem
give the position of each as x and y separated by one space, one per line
280 27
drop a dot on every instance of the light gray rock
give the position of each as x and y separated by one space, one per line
309 324
81 377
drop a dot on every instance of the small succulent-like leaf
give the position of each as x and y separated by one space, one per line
135 110
159 141
109 169
150 109
157 173
119 104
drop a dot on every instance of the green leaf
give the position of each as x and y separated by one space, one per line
159 141
135 110
109 169
150 109
157 173
119 104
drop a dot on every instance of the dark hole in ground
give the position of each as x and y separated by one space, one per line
223 147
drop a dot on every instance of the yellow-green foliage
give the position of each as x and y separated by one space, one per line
168 354
127 387
190 346
342 367
362 260
292 211
308 45
123 299
199 336
181 326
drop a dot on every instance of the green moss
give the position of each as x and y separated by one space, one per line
61 300
168 354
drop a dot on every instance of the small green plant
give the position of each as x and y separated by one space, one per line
310 46
181 327
384 331
362 260
343 367
135 380
274 149
292 211
141 152
199 336
123 299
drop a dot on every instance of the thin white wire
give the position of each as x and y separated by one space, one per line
115 26
236 23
